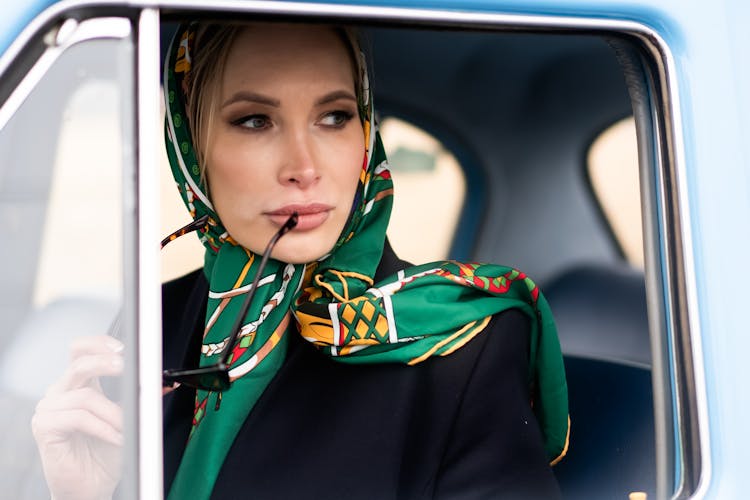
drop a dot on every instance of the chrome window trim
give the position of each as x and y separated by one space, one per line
149 133
681 297
57 40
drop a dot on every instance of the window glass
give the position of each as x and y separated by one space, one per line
527 106
429 187
80 181
613 170
61 204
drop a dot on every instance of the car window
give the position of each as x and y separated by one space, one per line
525 103
66 151
612 164
430 190
525 106
64 272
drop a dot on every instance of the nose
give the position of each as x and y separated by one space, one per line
299 166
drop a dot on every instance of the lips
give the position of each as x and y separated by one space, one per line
310 215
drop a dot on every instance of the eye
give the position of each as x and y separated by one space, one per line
253 122
336 119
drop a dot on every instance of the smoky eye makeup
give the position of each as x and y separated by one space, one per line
256 121
336 118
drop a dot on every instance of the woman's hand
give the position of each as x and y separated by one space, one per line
77 429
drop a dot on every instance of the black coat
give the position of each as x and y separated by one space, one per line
458 426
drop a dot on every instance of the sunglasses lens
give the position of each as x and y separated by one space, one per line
211 378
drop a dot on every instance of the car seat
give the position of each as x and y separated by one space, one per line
601 315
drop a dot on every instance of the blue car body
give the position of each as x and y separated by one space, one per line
706 49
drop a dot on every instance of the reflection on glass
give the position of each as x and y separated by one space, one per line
61 184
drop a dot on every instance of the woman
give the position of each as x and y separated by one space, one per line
354 375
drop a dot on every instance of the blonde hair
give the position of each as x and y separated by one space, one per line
204 87
213 43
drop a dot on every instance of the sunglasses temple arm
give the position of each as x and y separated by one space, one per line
198 223
288 225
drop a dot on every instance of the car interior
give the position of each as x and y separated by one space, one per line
519 111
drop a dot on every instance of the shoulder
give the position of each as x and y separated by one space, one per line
496 444
501 350
178 293
507 338
180 287
183 306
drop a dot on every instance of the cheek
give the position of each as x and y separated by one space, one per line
347 179
235 163
351 161
220 162
232 176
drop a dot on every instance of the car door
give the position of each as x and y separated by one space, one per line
68 203
80 134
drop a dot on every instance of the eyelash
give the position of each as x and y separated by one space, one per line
240 122
344 115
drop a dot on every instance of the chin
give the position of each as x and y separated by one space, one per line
300 250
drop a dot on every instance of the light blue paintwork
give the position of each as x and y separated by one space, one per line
710 42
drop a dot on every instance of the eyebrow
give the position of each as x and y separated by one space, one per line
269 101
251 97
335 96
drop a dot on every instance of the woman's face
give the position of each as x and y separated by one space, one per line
286 138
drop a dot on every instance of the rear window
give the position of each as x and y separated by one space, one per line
613 170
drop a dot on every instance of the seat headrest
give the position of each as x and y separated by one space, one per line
601 314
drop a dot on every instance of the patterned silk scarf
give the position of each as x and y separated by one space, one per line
424 311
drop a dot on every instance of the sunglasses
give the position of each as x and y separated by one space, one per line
216 377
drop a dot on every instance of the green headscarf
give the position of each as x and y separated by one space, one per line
427 310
